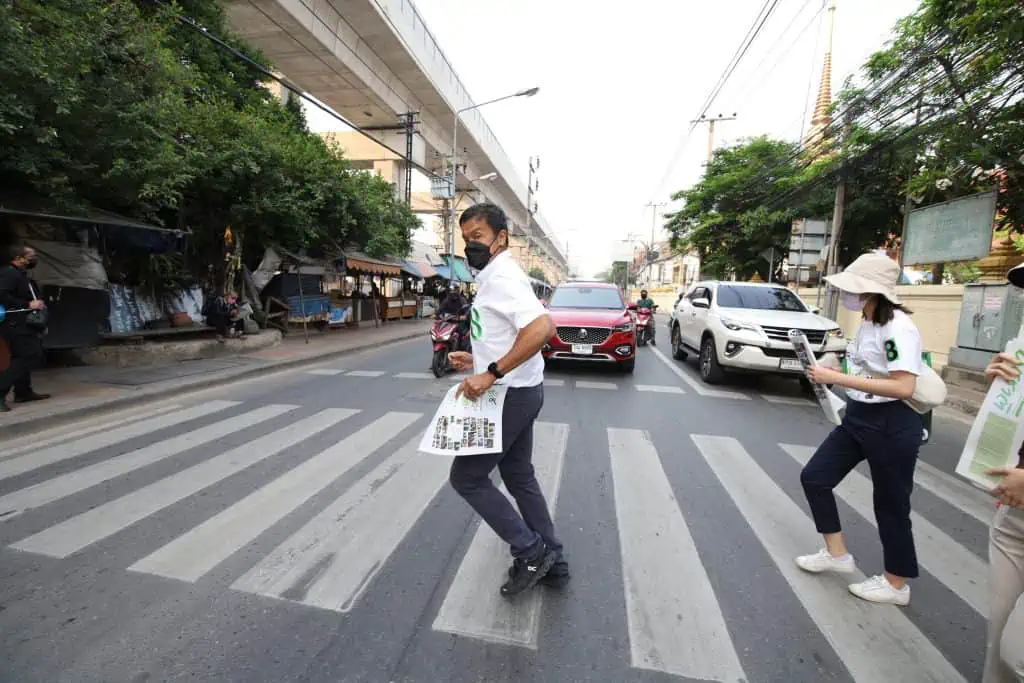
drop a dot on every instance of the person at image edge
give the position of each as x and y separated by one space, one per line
508 327
19 294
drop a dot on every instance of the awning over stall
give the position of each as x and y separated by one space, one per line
367 264
460 268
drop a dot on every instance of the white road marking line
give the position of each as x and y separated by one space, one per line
473 606
326 372
956 492
19 501
954 565
365 373
332 560
874 642
34 443
660 388
106 520
605 386
675 622
787 400
66 451
554 382
191 555
415 375
694 384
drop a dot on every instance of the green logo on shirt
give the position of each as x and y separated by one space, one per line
476 328
891 352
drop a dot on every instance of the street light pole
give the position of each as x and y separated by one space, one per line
654 218
529 92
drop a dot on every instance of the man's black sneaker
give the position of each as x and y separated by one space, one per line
557 577
28 398
527 572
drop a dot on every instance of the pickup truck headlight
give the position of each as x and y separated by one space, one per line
737 325
625 327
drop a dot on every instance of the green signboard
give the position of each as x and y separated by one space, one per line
957 230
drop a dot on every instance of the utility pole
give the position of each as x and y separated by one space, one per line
711 130
838 206
654 219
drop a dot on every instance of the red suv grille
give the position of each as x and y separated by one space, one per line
583 335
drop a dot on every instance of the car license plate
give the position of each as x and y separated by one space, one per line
790 364
583 349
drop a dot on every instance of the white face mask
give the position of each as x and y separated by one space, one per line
852 302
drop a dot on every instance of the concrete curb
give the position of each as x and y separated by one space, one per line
72 413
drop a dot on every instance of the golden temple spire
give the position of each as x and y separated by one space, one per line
822 118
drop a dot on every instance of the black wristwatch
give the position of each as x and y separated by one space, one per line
493 369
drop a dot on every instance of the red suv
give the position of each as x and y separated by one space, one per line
593 324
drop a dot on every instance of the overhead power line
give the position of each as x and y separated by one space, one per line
752 33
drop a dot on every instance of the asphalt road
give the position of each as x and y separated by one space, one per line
284 529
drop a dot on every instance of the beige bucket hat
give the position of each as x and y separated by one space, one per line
871 273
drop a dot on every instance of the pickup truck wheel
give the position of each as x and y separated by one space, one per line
678 352
710 371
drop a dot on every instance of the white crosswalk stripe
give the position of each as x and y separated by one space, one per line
79 480
695 384
659 389
606 386
107 437
675 623
473 607
103 521
34 443
875 643
365 373
325 372
951 563
415 375
198 551
332 558
786 400
344 547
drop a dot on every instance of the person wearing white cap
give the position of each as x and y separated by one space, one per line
883 361
1005 660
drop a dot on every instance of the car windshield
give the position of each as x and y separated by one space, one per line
760 298
586 297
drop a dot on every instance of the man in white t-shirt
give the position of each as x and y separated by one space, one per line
508 328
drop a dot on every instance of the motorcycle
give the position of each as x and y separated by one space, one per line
447 335
645 326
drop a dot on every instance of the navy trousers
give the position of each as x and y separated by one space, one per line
470 476
888 436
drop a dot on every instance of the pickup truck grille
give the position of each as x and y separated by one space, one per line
583 335
815 337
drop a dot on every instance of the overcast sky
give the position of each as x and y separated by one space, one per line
619 85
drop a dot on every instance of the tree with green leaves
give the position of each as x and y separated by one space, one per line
537 273
126 107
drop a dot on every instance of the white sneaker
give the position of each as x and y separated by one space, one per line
878 589
822 561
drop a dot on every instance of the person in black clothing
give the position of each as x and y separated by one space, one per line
23 341
453 303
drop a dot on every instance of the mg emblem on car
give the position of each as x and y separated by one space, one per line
583 333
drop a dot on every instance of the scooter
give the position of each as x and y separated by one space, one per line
447 335
645 326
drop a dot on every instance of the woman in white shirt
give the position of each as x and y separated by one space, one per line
883 362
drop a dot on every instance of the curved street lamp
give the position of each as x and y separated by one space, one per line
529 92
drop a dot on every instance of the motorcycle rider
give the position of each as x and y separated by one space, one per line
644 301
456 305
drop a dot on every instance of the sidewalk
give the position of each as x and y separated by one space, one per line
81 392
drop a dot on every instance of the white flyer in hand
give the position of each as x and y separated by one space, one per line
996 434
829 402
464 427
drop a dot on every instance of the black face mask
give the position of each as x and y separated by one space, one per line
478 254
